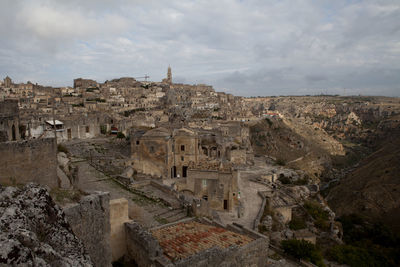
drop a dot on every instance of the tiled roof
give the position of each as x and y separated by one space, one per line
184 239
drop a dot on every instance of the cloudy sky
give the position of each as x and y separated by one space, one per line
246 47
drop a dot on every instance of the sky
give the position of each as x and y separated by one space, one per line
244 47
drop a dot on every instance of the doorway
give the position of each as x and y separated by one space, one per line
173 172
13 133
184 171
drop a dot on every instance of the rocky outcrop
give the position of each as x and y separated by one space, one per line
34 231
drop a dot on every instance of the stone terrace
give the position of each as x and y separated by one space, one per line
184 239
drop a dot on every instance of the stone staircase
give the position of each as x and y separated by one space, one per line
167 215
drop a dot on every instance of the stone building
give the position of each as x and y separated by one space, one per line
195 242
7 82
164 153
210 189
9 121
169 76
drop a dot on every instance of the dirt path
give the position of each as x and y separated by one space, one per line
92 180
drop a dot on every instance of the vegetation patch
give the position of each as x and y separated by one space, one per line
281 162
301 249
120 135
63 196
268 121
367 244
161 220
297 223
320 215
62 148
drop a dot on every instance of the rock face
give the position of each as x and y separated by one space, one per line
34 231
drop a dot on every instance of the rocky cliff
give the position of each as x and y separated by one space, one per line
34 231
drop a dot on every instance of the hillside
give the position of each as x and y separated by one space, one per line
373 188
277 139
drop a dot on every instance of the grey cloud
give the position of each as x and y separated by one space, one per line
248 47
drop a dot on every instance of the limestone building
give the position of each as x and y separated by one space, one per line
7 82
9 121
163 153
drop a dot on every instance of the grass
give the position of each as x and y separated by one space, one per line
63 196
161 220
275 256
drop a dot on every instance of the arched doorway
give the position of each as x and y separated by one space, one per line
13 133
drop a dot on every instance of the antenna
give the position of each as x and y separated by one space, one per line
145 77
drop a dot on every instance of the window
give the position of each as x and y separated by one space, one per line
87 129
152 149
182 158
204 183
182 147
137 143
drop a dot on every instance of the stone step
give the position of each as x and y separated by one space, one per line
171 213
177 217
162 212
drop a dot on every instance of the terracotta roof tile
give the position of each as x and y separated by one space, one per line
182 240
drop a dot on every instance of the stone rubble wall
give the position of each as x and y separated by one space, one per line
29 161
90 222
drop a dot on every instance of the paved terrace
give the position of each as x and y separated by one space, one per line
184 239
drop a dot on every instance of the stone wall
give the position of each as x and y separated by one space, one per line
142 247
90 222
118 216
29 161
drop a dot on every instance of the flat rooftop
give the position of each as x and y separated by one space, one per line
184 239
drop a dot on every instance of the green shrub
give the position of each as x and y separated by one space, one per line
281 162
62 148
357 229
357 256
320 215
302 181
284 180
302 249
316 210
120 135
297 223
103 129
367 243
